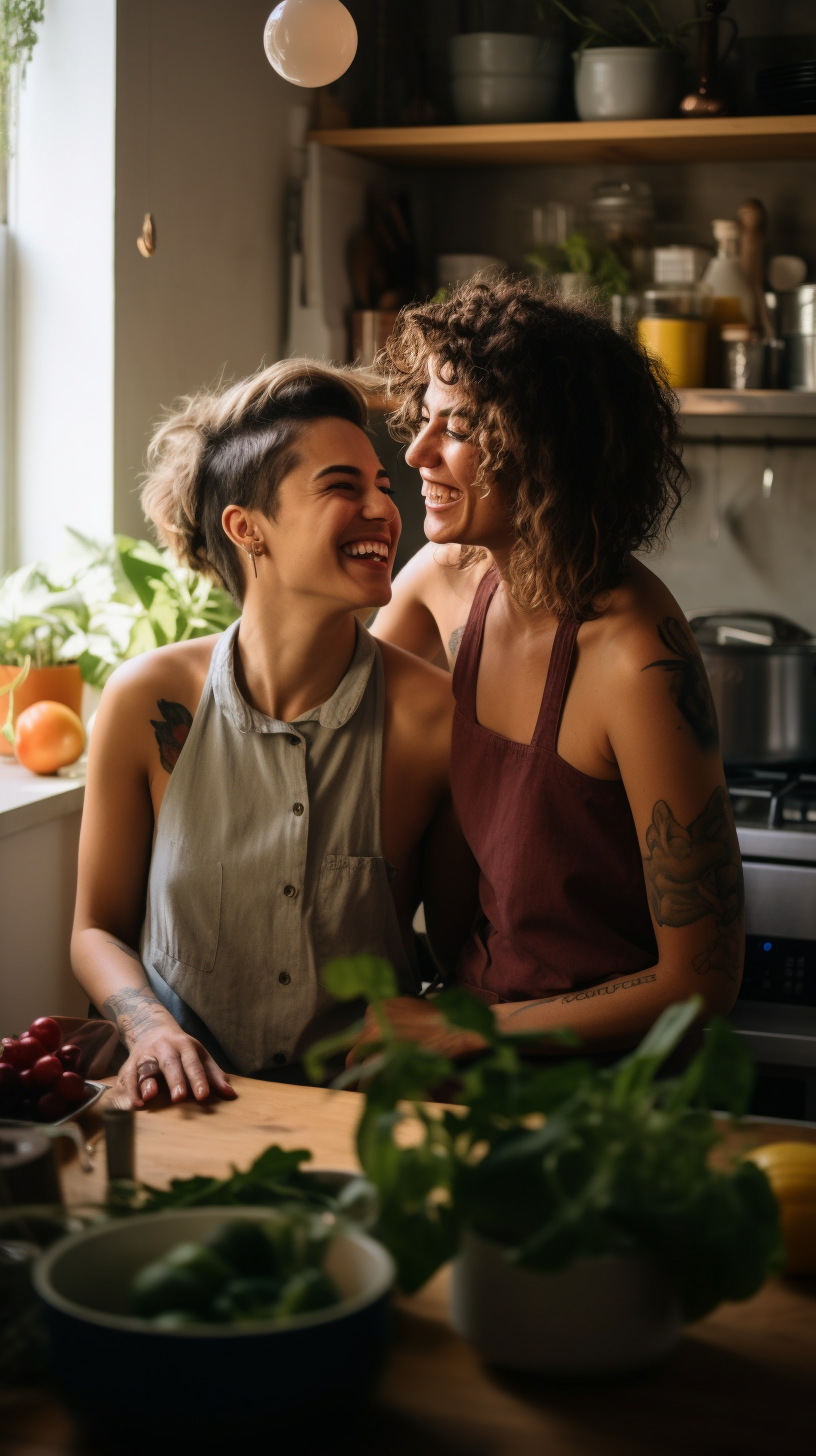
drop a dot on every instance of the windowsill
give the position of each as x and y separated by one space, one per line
27 799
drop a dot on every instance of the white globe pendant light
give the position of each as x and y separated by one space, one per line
310 42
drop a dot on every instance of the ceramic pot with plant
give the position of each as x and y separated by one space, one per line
578 1201
630 68
42 635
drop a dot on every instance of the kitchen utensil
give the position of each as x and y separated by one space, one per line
768 472
762 671
214 1372
753 221
708 99
786 272
742 362
800 359
797 311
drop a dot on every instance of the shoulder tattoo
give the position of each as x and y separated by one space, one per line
454 640
171 731
695 871
688 683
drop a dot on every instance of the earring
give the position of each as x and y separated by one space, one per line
254 562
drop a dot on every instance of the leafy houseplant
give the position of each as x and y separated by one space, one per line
599 270
18 36
558 1161
75 620
628 69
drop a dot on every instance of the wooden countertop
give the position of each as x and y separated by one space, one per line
742 1383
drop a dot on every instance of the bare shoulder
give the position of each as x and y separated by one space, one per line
175 674
415 688
641 621
436 572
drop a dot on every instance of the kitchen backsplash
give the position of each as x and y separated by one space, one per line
734 546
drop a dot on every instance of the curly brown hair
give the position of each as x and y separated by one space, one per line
574 422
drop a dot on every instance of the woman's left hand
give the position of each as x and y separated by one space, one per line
412 1019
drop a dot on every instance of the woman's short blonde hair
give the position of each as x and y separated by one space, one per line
233 446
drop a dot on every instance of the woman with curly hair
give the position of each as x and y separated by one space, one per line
263 801
585 765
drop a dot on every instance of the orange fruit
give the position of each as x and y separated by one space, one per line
48 736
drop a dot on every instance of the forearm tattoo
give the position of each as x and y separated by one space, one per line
171 730
606 988
454 640
688 683
695 872
134 1010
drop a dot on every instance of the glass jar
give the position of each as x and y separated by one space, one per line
622 218
673 328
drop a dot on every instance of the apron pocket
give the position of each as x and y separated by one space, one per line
184 897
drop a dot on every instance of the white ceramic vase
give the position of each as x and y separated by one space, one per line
625 83
599 1316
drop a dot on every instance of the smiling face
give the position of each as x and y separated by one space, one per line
335 529
443 453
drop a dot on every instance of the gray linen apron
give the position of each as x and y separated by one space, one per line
267 863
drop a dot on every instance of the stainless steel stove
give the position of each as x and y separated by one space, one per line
775 814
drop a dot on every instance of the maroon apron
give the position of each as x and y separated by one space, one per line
563 899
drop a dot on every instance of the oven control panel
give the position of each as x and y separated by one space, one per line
779 970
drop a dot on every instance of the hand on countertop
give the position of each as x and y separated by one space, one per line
413 1019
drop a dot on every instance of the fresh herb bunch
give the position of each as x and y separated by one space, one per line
603 267
636 24
18 36
558 1160
276 1177
107 602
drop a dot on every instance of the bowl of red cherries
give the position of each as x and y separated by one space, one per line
41 1077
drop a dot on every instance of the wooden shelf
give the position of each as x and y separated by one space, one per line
719 139
749 403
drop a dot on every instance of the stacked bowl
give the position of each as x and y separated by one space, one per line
498 77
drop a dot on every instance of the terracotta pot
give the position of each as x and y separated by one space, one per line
57 684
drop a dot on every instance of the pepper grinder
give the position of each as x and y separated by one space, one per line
707 100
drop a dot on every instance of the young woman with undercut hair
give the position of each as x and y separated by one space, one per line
263 801
586 769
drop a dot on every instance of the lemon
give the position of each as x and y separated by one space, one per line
790 1168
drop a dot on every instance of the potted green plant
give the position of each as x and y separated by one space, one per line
18 36
578 1201
580 267
77 618
629 68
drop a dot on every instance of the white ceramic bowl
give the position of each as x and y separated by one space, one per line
486 98
207 1372
625 83
502 54
596 1317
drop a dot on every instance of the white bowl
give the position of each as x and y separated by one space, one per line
489 98
625 83
501 54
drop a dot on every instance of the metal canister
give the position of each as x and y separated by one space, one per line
796 314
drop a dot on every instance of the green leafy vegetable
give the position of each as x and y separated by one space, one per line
557 1160
607 273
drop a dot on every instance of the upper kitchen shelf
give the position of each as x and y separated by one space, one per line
718 139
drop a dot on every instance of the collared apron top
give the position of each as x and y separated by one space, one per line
561 888
267 863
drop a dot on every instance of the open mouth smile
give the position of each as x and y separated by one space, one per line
369 551
440 497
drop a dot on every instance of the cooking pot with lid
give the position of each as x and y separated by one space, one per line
762 671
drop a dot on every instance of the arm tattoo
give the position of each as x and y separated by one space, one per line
172 733
454 640
134 1010
606 988
695 872
688 681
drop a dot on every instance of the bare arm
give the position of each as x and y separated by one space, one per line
114 857
408 620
